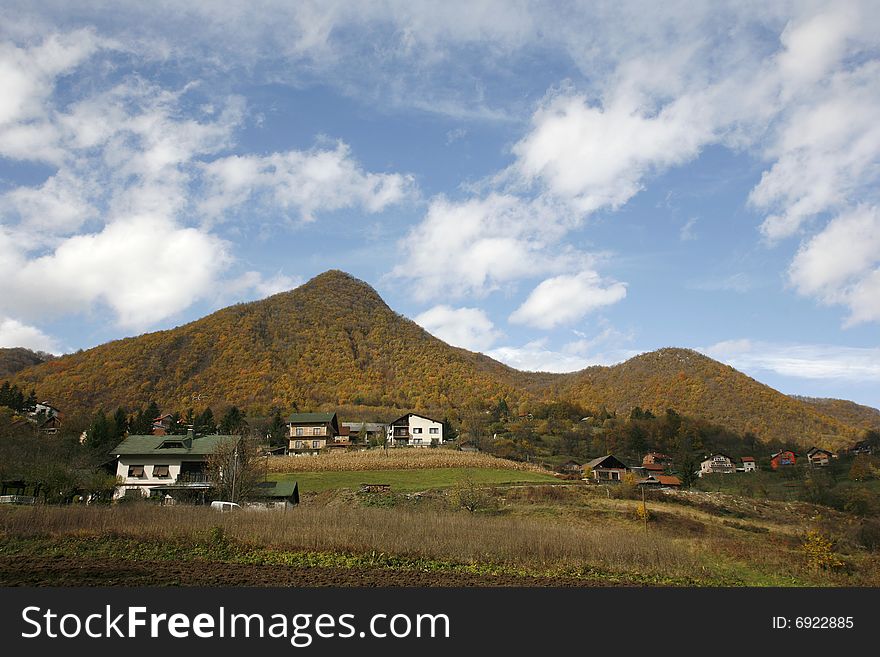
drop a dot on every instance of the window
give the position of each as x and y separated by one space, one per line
298 444
171 444
434 430
316 431
135 471
316 444
161 471
417 430
299 431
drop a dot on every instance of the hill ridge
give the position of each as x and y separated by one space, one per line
333 341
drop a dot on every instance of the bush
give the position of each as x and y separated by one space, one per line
868 535
819 551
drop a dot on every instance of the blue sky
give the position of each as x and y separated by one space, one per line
553 185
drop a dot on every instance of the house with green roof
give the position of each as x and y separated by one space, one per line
311 432
166 465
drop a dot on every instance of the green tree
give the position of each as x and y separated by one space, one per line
278 430
233 422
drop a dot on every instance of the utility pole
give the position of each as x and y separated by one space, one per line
644 510
234 470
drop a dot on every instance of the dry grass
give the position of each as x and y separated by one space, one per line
394 459
450 536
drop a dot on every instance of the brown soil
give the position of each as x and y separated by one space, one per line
68 571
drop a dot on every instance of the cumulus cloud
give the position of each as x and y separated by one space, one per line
475 246
13 333
839 265
304 182
566 299
468 328
145 269
117 224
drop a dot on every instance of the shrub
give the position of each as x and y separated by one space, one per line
819 551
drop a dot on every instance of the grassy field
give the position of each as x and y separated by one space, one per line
395 459
411 481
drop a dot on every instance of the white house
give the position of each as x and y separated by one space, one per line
717 463
164 465
748 464
414 430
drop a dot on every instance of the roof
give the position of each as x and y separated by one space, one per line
746 459
150 445
368 426
669 480
296 418
814 450
653 466
277 489
607 461
711 456
785 451
406 417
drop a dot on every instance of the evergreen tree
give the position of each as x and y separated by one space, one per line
233 421
277 430
120 424
205 422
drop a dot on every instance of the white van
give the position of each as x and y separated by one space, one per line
224 506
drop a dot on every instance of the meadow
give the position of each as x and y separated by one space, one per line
410 480
530 534
395 459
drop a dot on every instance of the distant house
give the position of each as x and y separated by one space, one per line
748 464
782 459
276 494
661 481
166 465
342 440
717 464
163 425
414 430
860 447
606 468
654 468
51 425
819 457
656 458
310 432
46 409
569 467
364 432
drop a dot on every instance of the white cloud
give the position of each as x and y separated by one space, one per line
253 283
596 156
536 357
478 245
15 334
806 361
145 269
839 264
566 299
686 232
305 182
468 328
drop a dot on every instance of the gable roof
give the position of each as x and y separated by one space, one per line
406 417
714 454
669 480
152 445
608 461
277 490
816 450
747 459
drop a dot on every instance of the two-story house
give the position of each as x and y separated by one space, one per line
414 430
819 457
151 465
605 468
309 433
717 464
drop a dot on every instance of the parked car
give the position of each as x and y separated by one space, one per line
224 506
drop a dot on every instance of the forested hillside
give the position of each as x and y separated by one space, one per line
15 359
334 342
853 414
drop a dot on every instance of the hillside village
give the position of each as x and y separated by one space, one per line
171 461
